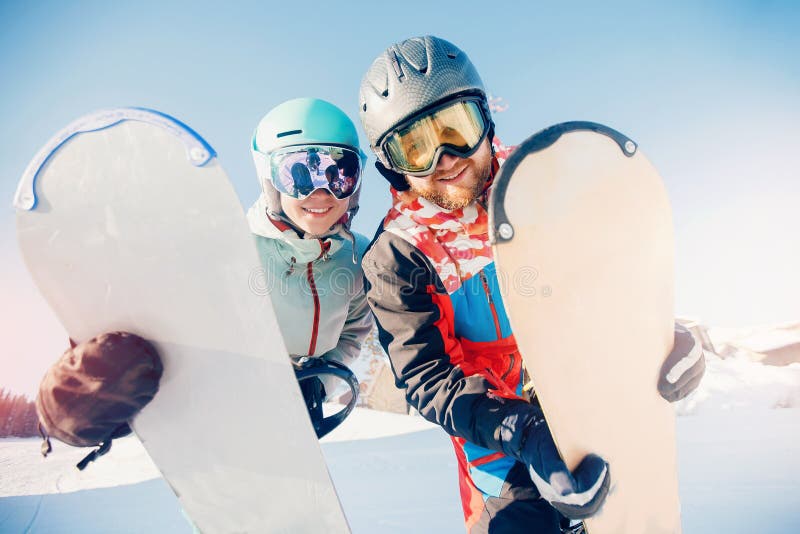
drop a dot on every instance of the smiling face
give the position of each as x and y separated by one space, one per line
456 182
316 213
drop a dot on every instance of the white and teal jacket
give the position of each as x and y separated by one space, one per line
317 290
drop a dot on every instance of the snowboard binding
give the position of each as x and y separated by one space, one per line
308 372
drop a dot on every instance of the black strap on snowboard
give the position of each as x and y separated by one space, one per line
574 529
105 446
317 367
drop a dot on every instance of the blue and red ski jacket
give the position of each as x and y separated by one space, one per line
452 350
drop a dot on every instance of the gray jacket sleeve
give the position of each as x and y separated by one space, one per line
356 328
357 325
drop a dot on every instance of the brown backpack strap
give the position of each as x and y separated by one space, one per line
47 447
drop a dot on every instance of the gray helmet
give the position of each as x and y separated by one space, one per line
410 77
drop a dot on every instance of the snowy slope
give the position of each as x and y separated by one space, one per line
736 384
738 438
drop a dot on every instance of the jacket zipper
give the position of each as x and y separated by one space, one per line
324 247
496 323
491 305
312 346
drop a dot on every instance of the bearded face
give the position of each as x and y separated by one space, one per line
457 182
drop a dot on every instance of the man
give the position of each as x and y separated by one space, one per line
432 285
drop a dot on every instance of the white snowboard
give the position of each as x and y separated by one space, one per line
583 243
127 222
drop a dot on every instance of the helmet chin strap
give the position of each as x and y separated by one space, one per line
279 216
397 180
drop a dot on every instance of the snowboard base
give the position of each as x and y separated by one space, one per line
582 233
127 222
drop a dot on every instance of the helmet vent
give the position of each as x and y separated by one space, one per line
415 53
451 55
288 133
398 70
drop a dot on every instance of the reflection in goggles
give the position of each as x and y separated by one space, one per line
301 170
459 127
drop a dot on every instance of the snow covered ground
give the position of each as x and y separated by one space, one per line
738 443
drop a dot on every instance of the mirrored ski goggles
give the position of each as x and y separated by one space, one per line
298 171
457 128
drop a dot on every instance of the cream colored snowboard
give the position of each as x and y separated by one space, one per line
126 221
583 242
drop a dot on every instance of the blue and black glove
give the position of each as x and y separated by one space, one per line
578 494
684 367
314 374
314 394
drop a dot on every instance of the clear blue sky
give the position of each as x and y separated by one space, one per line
711 92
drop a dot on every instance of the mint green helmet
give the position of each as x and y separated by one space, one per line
304 121
301 121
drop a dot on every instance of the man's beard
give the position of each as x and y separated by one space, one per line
463 197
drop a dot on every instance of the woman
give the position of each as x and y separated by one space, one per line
309 164
301 225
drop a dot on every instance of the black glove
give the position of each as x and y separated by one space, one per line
314 374
578 494
313 392
684 367
88 396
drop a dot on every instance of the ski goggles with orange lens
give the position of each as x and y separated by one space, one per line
457 128
298 171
